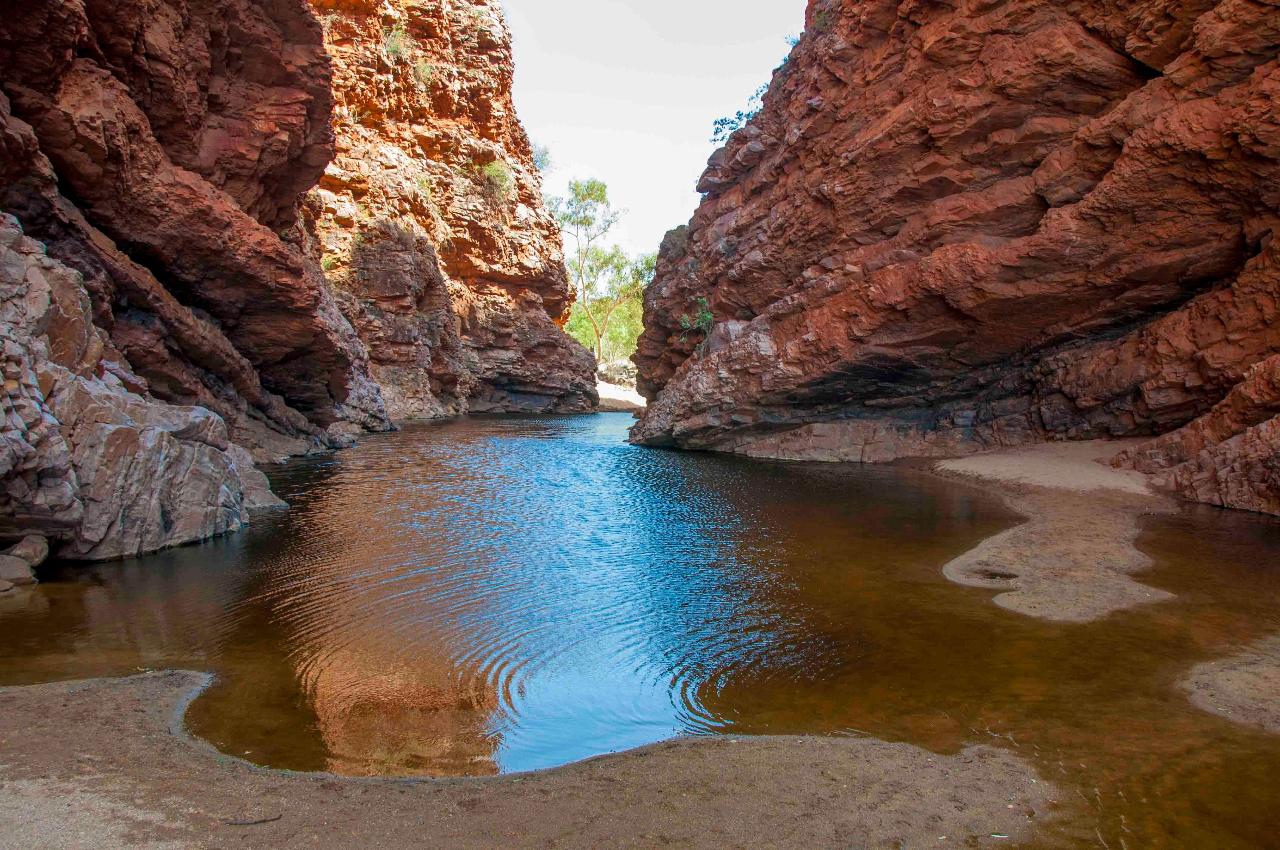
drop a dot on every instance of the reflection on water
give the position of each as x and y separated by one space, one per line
497 595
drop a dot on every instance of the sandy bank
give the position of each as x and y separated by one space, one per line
616 399
1074 558
99 764
1244 688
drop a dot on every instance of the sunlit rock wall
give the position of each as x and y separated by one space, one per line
963 225
430 220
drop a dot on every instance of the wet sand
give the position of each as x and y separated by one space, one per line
1074 558
104 764
1244 688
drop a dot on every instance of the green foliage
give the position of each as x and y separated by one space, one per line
609 285
498 180
822 21
423 72
727 126
702 320
542 159
611 323
621 334
395 42
586 214
329 263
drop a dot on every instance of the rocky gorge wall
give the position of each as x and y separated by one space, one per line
165 311
430 219
962 225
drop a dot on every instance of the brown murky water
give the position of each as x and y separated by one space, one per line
500 595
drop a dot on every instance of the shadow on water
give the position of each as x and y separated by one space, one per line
495 595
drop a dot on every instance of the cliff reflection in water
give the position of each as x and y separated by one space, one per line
491 595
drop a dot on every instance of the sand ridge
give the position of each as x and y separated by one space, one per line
1074 558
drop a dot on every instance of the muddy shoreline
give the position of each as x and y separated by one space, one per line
97 764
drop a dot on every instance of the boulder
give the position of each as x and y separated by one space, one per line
33 549
16 571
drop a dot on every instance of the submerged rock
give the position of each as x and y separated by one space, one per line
961 226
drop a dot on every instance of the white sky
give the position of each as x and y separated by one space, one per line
626 91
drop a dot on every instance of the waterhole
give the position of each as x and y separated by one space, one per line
498 595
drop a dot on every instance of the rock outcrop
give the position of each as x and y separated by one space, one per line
970 224
430 220
175 331
83 458
167 319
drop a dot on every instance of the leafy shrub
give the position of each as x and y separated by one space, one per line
542 158
329 263
727 126
423 72
395 42
497 179
702 321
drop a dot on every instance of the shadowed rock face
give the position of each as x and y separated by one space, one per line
156 154
85 458
430 220
963 225
159 151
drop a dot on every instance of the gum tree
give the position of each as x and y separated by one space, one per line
605 279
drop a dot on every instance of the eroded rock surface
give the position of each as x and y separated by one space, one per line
966 225
160 153
430 220
105 470
175 331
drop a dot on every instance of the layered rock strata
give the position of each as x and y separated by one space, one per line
84 458
430 219
155 156
158 152
974 224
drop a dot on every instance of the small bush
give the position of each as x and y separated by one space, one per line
542 158
702 321
497 179
395 42
329 263
726 127
423 72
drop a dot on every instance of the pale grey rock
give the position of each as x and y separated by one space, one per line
33 549
16 571
85 460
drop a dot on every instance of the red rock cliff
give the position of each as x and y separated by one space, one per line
978 223
430 220
164 309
